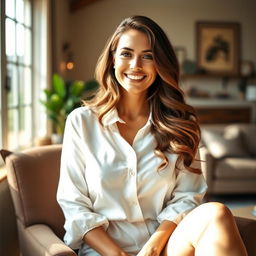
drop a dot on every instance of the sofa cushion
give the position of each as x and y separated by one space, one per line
224 143
249 138
236 168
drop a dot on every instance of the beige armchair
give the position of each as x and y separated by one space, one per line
33 177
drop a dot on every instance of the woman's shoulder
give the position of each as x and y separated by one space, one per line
83 113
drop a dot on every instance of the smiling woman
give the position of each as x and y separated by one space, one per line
131 181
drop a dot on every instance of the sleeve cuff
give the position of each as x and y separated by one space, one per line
77 227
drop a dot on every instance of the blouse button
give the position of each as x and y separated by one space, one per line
131 172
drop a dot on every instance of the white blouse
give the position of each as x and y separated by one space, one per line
105 181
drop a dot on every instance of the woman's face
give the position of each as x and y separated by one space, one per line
135 70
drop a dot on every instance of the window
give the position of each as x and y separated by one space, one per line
24 72
18 50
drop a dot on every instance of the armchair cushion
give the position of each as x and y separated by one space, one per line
227 143
249 138
236 168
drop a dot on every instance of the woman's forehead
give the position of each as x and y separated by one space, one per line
134 39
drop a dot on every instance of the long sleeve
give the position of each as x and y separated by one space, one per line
72 192
188 193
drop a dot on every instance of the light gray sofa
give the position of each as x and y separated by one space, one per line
229 154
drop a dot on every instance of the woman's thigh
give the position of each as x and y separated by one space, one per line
191 229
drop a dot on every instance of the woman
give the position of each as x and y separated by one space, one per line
130 179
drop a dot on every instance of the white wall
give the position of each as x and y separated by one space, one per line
89 27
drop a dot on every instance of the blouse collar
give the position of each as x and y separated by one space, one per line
112 117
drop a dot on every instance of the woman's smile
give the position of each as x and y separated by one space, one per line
135 77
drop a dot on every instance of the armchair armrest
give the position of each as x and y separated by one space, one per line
43 242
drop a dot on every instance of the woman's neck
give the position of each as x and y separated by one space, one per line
133 107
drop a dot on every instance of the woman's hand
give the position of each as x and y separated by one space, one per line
156 243
100 241
149 250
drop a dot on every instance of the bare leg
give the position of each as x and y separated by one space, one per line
210 230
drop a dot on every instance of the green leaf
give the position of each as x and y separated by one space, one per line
77 88
48 93
59 86
91 85
55 102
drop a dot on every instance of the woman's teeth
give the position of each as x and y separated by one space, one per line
134 77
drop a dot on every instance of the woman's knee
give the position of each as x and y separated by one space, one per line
217 212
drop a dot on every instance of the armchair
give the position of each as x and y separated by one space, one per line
229 155
33 178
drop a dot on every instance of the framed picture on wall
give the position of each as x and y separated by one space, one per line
218 47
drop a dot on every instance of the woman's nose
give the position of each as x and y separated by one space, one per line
135 63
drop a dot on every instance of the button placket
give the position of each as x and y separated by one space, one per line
131 172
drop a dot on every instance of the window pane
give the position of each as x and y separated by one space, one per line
25 126
28 48
10 40
20 10
42 119
20 42
14 91
9 5
25 86
13 129
19 65
27 13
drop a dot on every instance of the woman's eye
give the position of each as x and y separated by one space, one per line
148 57
125 54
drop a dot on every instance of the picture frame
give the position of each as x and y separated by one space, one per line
218 48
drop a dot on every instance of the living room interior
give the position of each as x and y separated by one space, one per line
63 42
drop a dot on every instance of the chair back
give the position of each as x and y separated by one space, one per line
33 177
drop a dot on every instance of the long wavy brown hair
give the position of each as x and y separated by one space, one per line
174 123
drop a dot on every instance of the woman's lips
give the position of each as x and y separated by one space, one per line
136 77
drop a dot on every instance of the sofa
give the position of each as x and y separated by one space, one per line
229 158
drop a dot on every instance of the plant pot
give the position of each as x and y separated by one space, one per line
57 138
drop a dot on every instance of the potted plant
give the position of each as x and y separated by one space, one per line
62 98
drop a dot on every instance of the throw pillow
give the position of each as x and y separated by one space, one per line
224 144
249 138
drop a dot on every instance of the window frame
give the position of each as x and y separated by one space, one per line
40 71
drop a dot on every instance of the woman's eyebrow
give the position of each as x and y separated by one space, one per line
129 49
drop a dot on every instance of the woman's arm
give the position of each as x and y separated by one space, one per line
73 194
100 241
158 240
